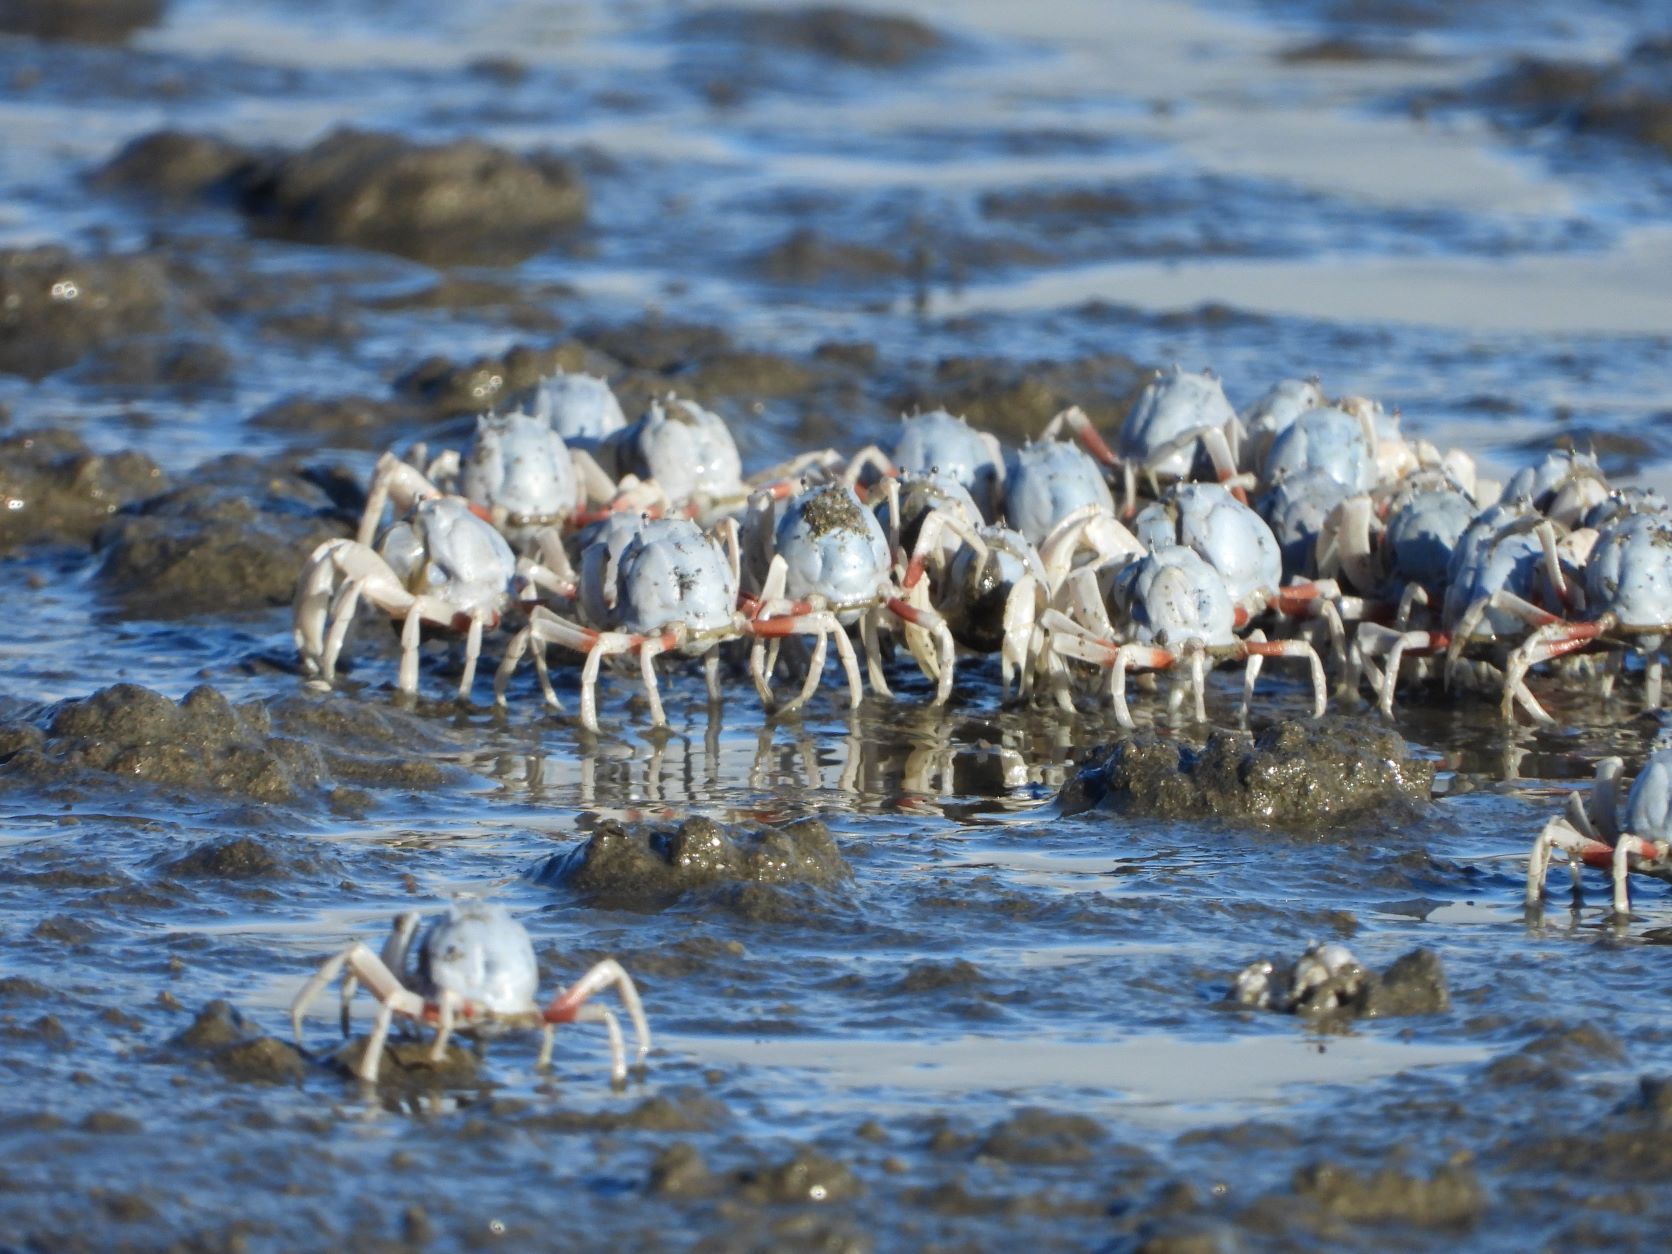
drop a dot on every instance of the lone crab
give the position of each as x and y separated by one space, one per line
474 973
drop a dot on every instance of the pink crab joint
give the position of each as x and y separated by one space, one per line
472 972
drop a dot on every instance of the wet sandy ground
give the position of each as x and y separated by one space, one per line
982 1020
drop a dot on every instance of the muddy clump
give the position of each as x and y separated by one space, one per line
1300 774
807 256
1328 980
79 21
178 165
53 487
1451 1198
1628 99
1044 1137
853 36
221 1037
234 539
463 202
201 743
55 307
643 866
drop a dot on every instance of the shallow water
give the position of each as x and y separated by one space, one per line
1276 217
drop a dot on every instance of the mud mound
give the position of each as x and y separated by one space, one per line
234 539
83 21
1301 774
644 866
220 1036
1451 1198
56 307
56 488
1630 98
463 202
854 36
200 743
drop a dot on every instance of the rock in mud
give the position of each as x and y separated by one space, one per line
53 487
235 1049
1630 98
1301 774
56 307
200 743
1451 1198
81 21
644 866
855 36
462 202
1328 980
234 539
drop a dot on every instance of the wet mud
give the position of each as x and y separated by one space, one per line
919 978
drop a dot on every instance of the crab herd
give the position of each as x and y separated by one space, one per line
1301 529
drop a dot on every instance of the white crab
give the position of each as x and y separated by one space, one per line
473 972
518 474
442 565
1164 609
1599 835
832 566
646 587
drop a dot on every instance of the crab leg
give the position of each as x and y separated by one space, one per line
393 957
936 626
379 980
1146 656
566 1008
1550 641
1075 420
1257 647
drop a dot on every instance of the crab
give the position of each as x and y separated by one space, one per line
1172 609
1273 414
518 474
1237 543
1628 597
1324 978
990 594
647 587
1178 419
1512 571
1599 835
1046 481
579 407
442 565
472 972
686 450
942 444
831 566
1563 487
